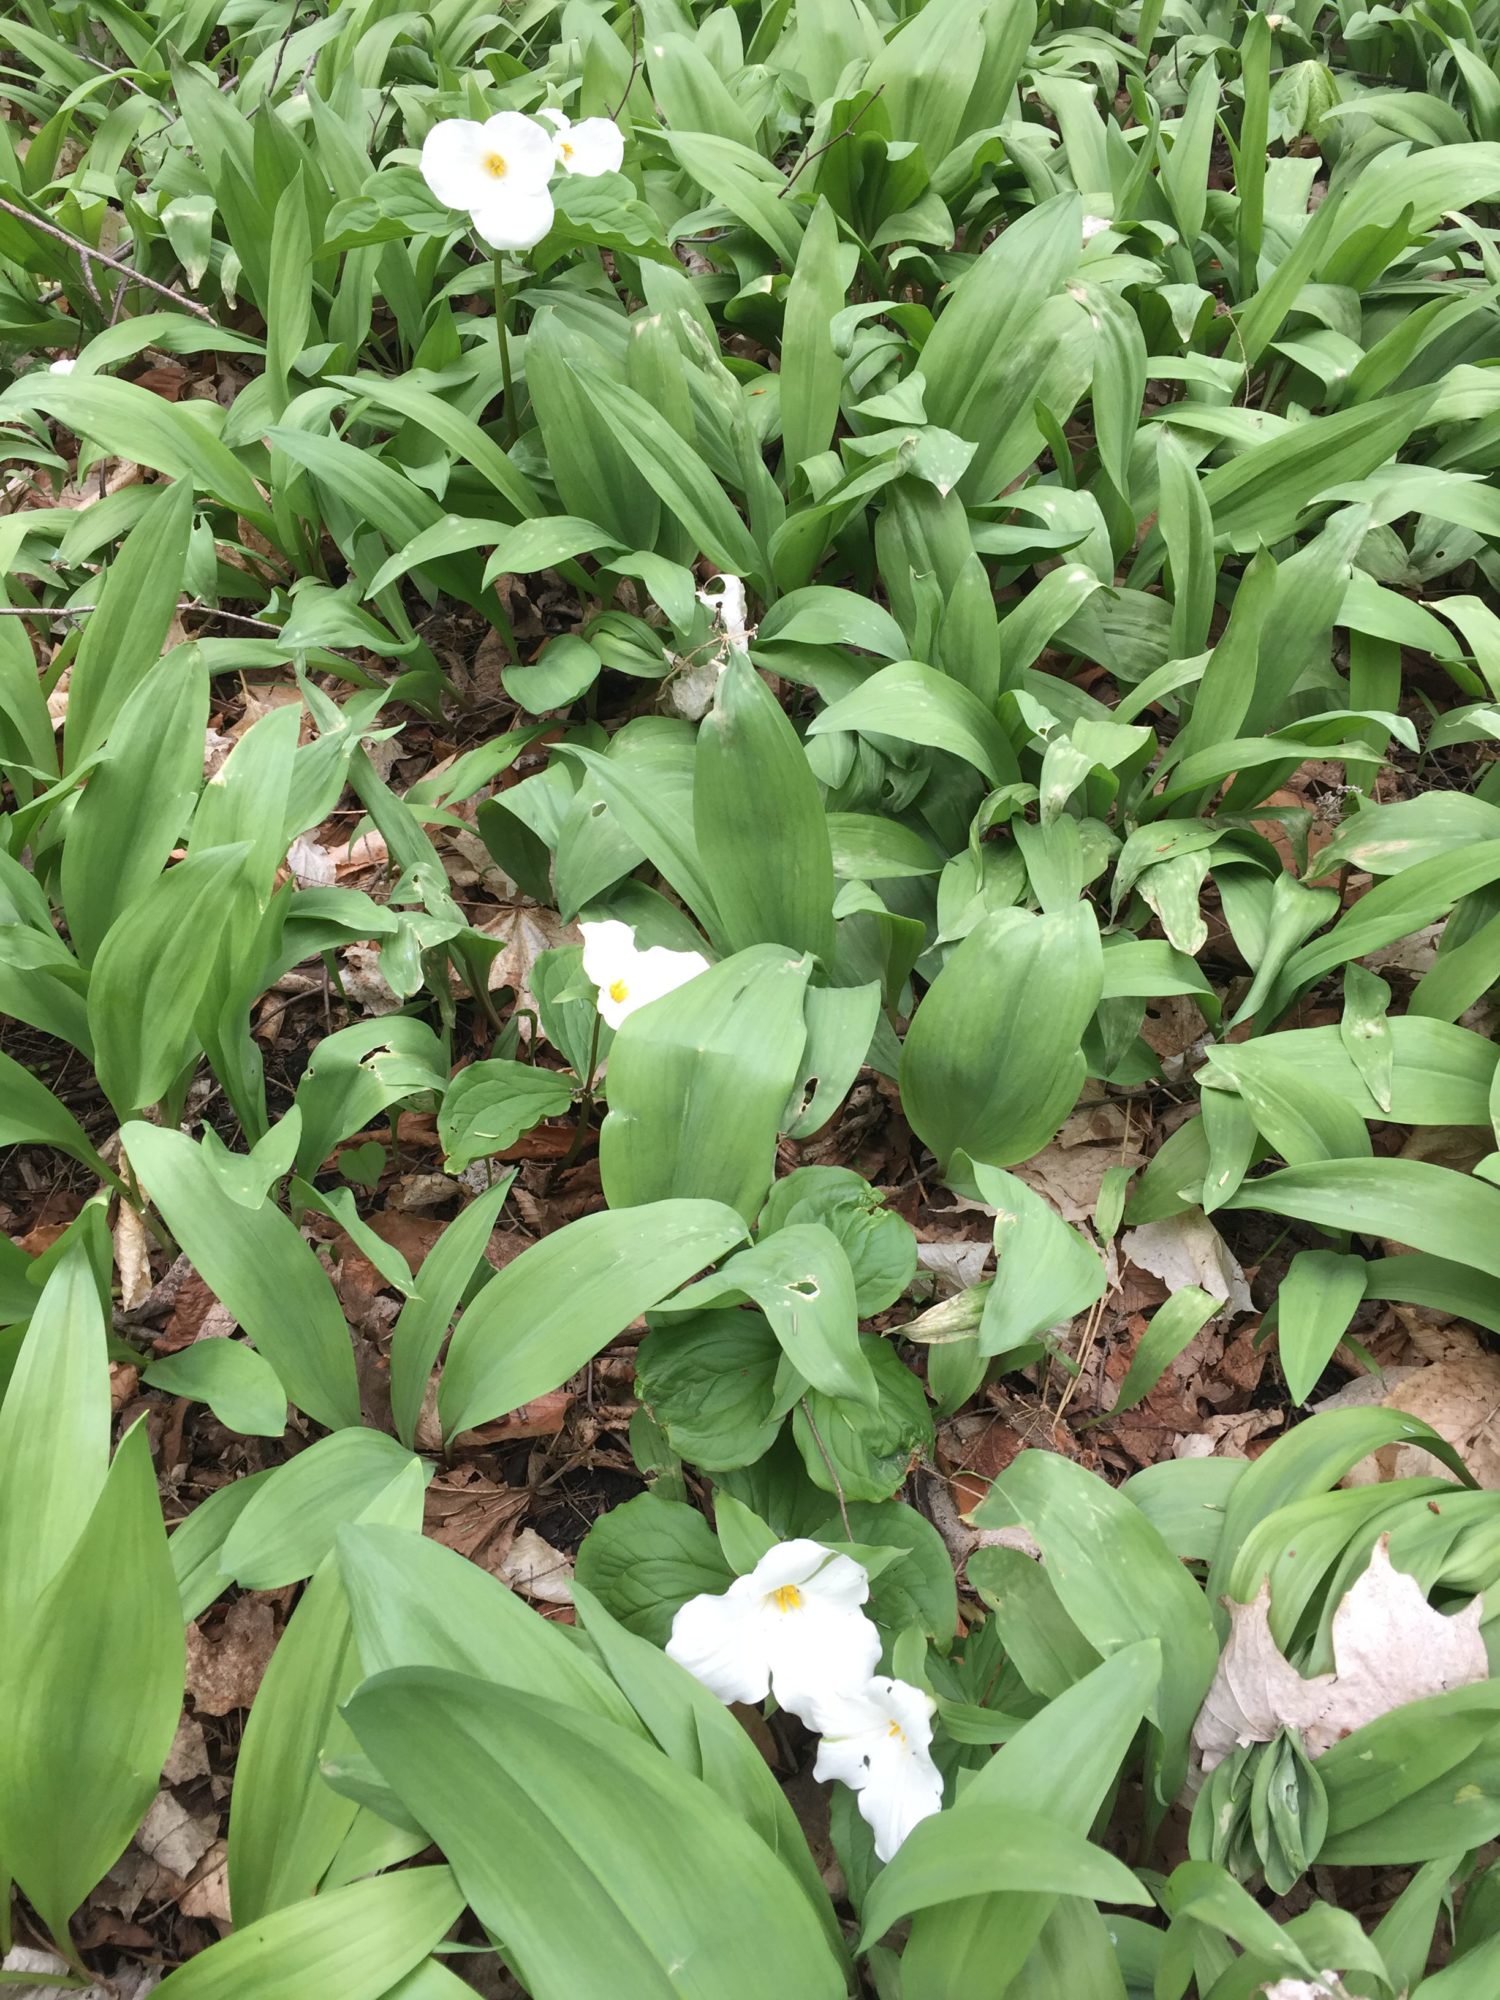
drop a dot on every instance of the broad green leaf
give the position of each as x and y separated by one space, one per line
1063 1763
291 1524
758 819
1119 1583
1429 1207
1314 1307
356 1942
800 1278
31 1116
988 1848
993 1061
152 973
417 1604
1174 1326
709 1379
54 1436
257 1265
526 1798
1045 1271
238 1385
93 1696
698 1082
916 704
489 1105
812 370
446 1272
556 1305
124 635
644 1559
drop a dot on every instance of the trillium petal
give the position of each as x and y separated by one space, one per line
818 1654
719 1641
608 950
452 162
659 971
514 221
526 148
791 1562
594 146
558 120
878 1744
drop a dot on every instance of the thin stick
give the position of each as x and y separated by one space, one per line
502 308
635 67
98 257
81 610
828 144
838 1490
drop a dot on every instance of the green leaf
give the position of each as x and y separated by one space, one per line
442 1281
490 1104
1174 1326
698 1082
1045 1271
993 1060
257 1265
880 1245
125 633
644 1560
1430 1208
916 704
131 423
1063 1763
709 1379
987 1848
758 819
356 1941
1119 1583
238 1385
556 1305
746 184
801 1280
860 1453
526 1798
54 1435
293 1520
417 1604
152 972
566 668
92 1698
812 370
31 1116
1315 1305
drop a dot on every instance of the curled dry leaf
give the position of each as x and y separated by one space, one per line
1390 1647
537 1570
1186 1249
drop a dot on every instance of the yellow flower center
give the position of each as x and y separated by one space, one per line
618 990
566 150
896 1731
494 166
788 1598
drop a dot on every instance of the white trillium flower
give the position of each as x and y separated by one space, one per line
628 977
592 146
878 1742
498 171
63 367
793 1628
1095 225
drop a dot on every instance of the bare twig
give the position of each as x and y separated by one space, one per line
838 1491
45 611
828 144
635 66
91 256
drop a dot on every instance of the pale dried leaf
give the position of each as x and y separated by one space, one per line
1186 1249
312 866
525 933
956 1266
1390 1647
174 1838
537 1570
132 1257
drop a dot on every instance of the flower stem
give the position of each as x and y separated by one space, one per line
502 311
